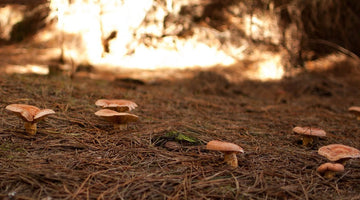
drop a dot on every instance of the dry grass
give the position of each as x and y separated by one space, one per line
76 155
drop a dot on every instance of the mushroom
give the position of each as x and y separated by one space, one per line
355 110
229 149
339 153
329 170
172 145
120 105
31 115
309 134
119 119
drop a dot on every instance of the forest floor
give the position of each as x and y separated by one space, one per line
76 155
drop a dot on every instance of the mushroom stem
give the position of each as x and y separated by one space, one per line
329 174
307 140
231 159
30 128
121 109
120 127
342 161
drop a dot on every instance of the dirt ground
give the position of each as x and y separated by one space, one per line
76 155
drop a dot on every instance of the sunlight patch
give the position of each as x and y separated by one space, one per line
83 29
269 68
27 69
187 54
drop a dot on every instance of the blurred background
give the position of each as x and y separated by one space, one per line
256 39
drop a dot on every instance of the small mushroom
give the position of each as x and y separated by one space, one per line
229 149
119 119
120 105
339 153
31 115
172 145
309 134
329 170
355 110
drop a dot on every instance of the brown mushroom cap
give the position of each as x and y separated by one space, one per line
310 131
335 167
116 117
122 104
29 113
43 113
223 146
335 152
354 110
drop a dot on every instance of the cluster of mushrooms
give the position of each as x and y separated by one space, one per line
337 154
116 111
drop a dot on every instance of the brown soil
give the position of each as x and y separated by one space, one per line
76 155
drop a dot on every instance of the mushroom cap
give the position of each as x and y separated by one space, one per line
335 167
29 113
311 131
43 113
223 146
354 110
116 117
116 103
335 152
